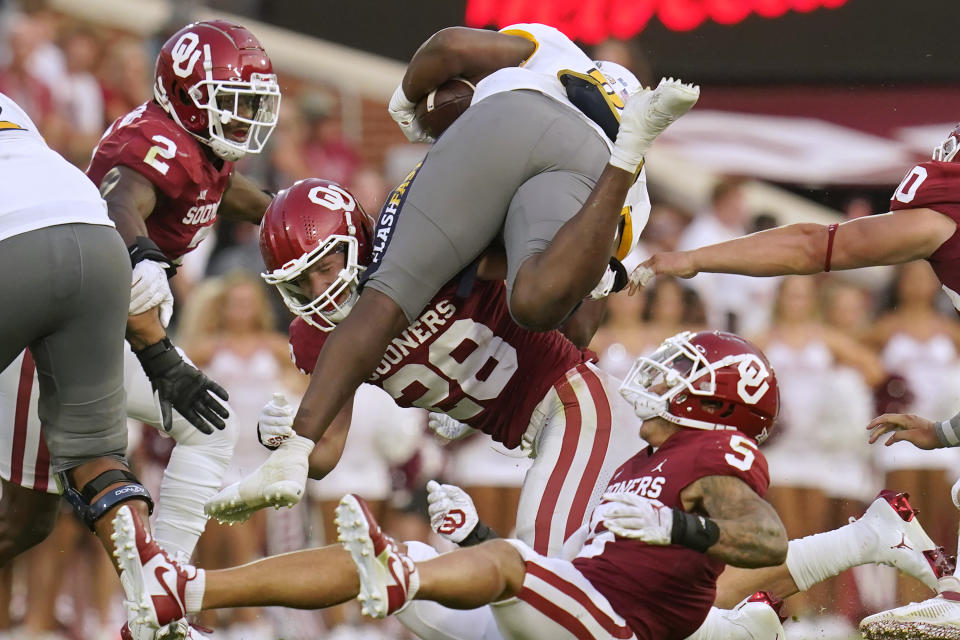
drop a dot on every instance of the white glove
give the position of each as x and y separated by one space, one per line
645 116
605 287
275 423
448 428
955 494
631 516
149 288
404 113
452 514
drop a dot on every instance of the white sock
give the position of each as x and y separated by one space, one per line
193 476
193 592
823 555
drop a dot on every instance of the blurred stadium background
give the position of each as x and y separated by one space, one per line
810 110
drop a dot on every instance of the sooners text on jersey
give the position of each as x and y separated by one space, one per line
464 357
190 183
936 185
666 592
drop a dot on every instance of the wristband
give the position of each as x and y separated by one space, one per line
158 358
831 233
143 248
948 431
693 531
480 533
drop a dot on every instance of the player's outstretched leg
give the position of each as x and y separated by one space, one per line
388 578
887 533
278 482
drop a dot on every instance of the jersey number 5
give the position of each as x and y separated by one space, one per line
166 148
746 448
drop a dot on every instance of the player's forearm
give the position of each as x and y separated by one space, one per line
145 329
243 200
351 353
750 542
550 284
130 200
459 51
793 249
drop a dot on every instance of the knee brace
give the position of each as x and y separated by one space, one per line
89 512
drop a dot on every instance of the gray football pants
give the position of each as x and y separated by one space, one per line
517 162
64 295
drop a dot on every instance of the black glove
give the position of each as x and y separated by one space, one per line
183 387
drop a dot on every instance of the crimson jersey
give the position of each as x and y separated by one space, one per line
148 141
936 185
464 356
665 592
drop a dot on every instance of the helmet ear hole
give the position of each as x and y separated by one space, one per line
182 95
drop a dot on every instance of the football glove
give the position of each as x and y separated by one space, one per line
452 513
403 111
276 422
149 288
183 387
631 516
447 428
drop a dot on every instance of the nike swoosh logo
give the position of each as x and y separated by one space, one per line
160 573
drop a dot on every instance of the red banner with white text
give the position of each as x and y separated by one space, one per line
592 21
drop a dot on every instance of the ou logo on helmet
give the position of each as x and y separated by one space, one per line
185 54
753 373
332 197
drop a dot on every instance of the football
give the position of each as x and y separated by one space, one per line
439 108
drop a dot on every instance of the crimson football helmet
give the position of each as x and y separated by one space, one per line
730 374
215 73
947 149
312 219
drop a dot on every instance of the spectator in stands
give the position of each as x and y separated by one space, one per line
822 412
126 76
23 86
79 97
633 329
734 303
921 345
228 329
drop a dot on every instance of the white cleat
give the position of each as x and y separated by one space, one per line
388 578
937 618
278 482
154 585
758 617
893 536
646 115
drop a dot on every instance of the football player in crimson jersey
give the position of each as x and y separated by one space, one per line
645 564
921 225
464 356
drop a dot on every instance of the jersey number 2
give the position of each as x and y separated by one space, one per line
166 148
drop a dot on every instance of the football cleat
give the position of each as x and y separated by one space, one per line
278 482
645 117
388 578
759 617
155 586
177 630
937 618
892 535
